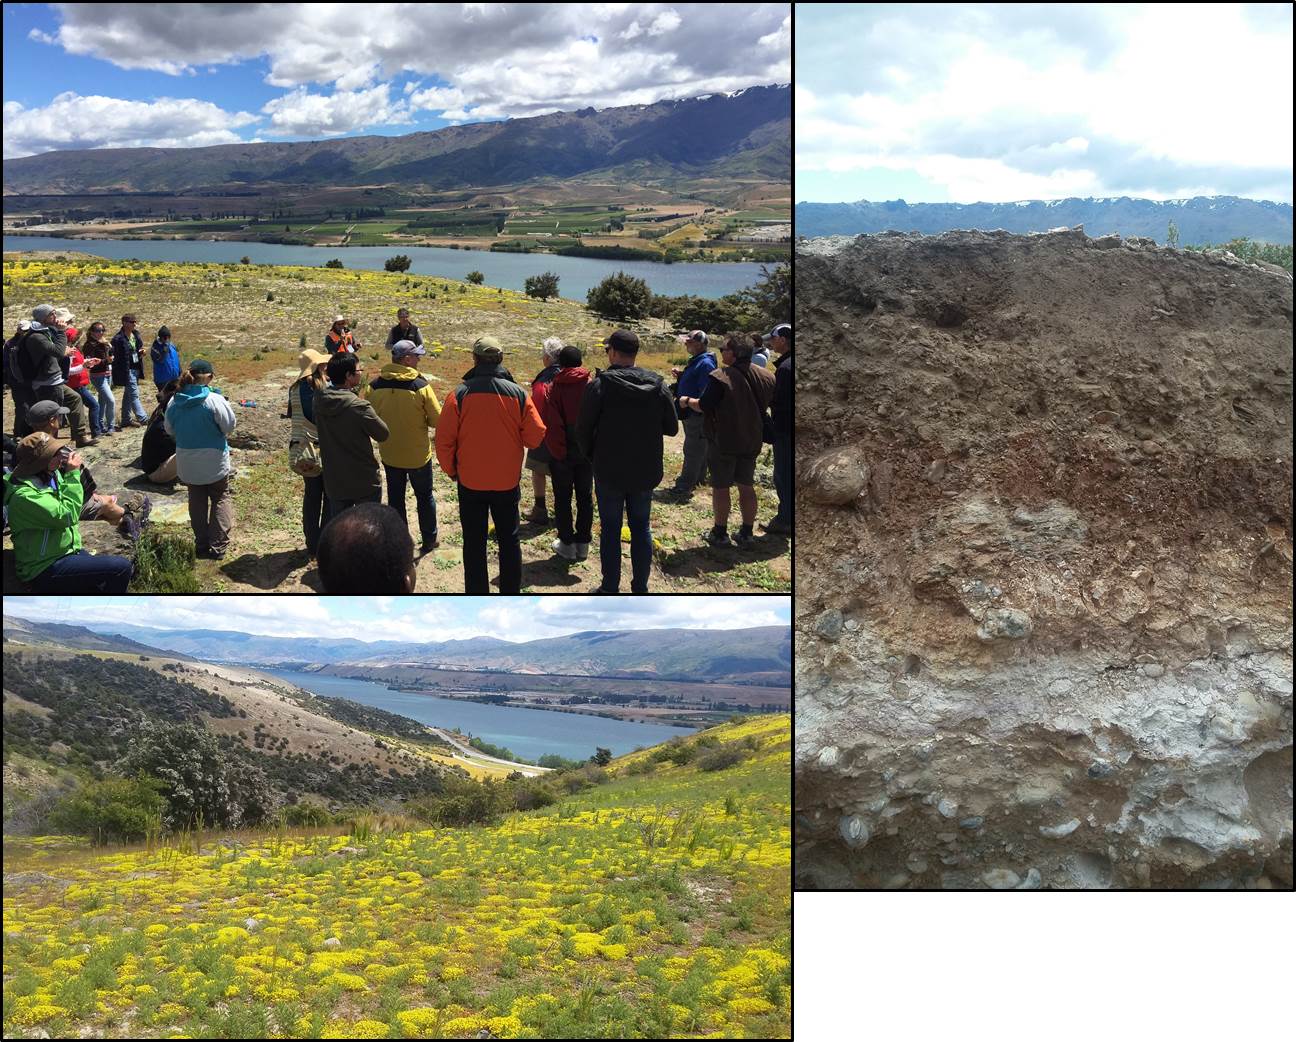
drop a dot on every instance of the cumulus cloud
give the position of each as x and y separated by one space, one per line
74 121
1004 101
508 60
303 114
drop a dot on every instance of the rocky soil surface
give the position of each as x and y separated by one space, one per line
1045 565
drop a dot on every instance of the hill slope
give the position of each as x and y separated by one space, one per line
745 133
1200 220
655 905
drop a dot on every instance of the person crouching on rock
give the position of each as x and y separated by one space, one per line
44 496
46 417
201 420
158 452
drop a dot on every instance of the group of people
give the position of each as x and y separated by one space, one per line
593 436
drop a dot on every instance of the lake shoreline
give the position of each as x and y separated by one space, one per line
608 712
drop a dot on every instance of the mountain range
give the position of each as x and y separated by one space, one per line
1200 220
696 655
746 133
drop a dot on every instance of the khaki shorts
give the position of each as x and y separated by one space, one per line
728 470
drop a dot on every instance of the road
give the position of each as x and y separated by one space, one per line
529 770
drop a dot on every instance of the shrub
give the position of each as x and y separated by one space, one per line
532 797
335 263
475 277
557 762
306 814
270 295
620 297
642 767
164 564
114 810
245 260
728 755
463 802
398 263
543 286
601 756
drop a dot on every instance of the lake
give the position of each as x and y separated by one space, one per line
530 733
577 275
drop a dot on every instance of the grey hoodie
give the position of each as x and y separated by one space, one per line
345 423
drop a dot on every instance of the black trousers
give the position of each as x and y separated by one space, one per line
502 508
569 478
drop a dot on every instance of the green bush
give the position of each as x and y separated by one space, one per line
335 263
164 563
620 297
463 802
534 796
116 810
306 814
728 755
543 286
475 277
398 263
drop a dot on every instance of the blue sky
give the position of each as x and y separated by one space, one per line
1003 102
183 75
418 619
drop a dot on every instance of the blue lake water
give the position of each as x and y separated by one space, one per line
530 733
577 275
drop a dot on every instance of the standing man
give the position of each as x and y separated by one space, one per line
692 382
345 423
624 416
45 345
404 329
780 339
734 403
339 338
486 424
128 371
405 401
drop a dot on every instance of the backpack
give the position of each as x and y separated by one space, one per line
303 456
21 365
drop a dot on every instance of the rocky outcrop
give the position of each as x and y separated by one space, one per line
1044 565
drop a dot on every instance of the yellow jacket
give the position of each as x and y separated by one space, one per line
405 401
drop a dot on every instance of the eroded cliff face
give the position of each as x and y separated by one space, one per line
1044 565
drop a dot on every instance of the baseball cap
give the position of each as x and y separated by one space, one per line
697 334
41 412
406 347
489 348
782 329
199 366
623 340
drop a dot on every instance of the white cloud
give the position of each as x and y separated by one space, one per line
303 114
73 121
992 102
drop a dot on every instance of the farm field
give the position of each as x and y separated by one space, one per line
656 904
249 320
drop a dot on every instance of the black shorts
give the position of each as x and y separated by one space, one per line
728 469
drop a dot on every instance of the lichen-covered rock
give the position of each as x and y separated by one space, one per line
836 477
1068 663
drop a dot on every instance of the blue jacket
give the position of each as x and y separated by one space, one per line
166 362
693 377
199 419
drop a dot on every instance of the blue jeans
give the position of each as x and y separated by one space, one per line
316 511
637 506
107 403
92 407
82 572
420 479
783 476
131 400
502 507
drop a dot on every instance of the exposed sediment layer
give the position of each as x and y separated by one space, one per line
1044 564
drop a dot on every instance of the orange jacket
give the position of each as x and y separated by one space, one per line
483 428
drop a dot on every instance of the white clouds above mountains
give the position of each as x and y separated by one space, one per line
997 102
489 61
73 121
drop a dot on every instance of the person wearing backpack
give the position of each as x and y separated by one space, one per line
559 403
16 379
303 445
166 359
44 347
406 402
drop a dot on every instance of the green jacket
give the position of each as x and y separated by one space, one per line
43 520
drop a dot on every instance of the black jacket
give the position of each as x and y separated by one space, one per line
123 348
781 411
624 415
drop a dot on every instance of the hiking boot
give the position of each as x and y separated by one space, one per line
215 555
743 540
426 548
567 551
672 495
538 515
86 439
129 526
582 551
777 527
717 537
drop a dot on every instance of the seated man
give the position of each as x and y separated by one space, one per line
46 416
43 497
367 548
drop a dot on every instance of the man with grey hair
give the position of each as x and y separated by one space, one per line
691 381
404 329
45 345
538 459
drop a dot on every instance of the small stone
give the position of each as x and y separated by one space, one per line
1001 879
1100 769
935 472
1058 831
1150 448
854 830
973 822
828 756
253 925
332 942
947 808
1152 669
829 625
1033 881
916 864
1004 624
837 477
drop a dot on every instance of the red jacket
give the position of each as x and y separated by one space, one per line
559 404
78 375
